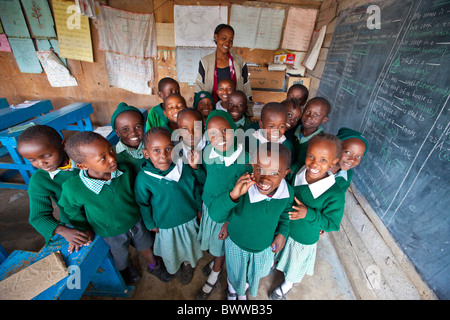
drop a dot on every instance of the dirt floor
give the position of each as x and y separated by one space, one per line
329 281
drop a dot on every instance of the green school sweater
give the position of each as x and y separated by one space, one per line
345 184
110 213
253 226
41 191
135 164
156 117
166 204
301 145
324 213
219 177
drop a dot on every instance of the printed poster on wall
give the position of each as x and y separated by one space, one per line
39 18
299 19
195 25
74 34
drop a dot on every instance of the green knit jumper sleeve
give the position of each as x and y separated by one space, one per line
42 191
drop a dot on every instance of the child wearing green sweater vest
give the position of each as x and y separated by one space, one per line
128 123
314 116
157 185
354 147
237 108
156 116
101 199
319 205
257 209
44 148
224 161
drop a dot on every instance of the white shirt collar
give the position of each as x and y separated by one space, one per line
219 106
316 188
173 175
227 160
281 193
240 122
341 173
259 135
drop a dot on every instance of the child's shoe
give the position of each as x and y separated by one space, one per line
160 272
187 273
130 274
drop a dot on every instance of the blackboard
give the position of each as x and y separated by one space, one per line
393 85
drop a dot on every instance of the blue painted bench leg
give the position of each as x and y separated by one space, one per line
3 254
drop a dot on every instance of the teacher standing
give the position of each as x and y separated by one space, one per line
221 65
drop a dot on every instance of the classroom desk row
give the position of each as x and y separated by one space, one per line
72 117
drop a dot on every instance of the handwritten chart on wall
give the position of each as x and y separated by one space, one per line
393 85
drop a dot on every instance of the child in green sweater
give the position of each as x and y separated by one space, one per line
314 116
224 161
237 108
44 148
257 209
272 127
101 199
156 116
319 205
128 122
204 102
354 147
173 104
158 184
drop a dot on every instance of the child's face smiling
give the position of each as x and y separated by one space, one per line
352 152
205 106
236 106
190 128
130 128
42 154
220 133
269 171
314 115
159 150
320 157
172 106
100 159
224 89
275 125
293 116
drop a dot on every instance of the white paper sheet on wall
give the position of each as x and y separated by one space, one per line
188 60
313 53
299 28
194 25
57 73
256 27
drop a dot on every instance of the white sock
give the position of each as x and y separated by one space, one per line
212 279
244 297
231 290
285 286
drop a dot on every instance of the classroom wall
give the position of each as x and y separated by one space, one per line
91 77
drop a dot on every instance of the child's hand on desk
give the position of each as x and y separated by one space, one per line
75 237
242 185
300 210
278 243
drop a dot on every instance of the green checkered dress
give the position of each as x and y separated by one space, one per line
246 267
209 235
296 260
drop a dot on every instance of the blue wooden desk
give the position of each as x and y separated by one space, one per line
91 270
3 103
10 117
72 117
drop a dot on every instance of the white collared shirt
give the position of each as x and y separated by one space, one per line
173 175
281 193
341 173
259 135
227 160
316 188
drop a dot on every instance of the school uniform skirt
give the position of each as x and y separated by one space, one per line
296 260
177 245
246 267
209 235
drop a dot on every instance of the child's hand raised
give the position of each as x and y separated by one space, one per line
194 158
300 210
241 187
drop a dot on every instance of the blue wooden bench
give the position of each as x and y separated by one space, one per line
91 270
72 117
3 103
10 117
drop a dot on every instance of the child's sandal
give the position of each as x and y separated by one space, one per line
231 295
202 295
275 296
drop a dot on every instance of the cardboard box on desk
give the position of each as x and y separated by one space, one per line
301 80
263 79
